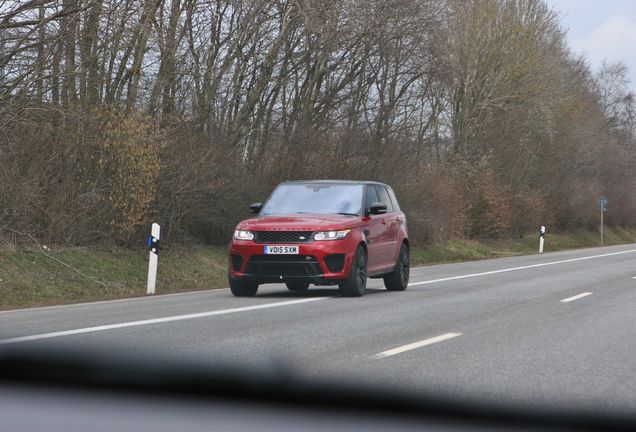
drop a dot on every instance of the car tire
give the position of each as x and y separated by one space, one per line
398 279
242 289
297 286
356 284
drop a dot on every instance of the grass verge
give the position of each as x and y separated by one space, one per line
28 278
466 250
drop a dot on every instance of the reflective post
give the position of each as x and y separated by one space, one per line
541 238
602 211
602 206
153 246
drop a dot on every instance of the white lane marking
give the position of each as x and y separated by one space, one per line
576 297
519 268
415 345
634 277
155 321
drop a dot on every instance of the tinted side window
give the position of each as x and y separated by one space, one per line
384 198
396 206
372 196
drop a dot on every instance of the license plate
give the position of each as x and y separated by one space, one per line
281 250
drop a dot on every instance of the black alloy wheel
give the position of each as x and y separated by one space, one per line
356 283
398 279
242 289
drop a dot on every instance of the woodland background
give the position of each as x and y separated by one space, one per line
118 113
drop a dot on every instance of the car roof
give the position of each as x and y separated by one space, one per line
354 182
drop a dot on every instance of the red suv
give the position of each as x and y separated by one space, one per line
323 233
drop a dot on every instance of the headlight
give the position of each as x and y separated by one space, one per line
243 235
331 235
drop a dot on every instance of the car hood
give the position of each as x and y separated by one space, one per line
301 222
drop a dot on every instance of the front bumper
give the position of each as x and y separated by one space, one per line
318 262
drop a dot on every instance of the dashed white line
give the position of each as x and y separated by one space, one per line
576 297
155 321
416 345
519 268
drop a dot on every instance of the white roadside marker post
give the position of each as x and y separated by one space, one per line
602 206
153 246
541 238
602 210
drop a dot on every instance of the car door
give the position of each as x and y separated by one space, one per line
390 222
375 233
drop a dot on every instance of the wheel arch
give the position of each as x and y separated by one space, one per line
406 242
364 246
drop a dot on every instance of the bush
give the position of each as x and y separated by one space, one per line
128 166
84 176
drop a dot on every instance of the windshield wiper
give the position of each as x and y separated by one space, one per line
348 214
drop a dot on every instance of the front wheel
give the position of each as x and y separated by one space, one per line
398 279
356 283
242 289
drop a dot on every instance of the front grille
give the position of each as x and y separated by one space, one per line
282 236
283 265
283 258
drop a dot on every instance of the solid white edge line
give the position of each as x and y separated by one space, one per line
155 321
416 345
576 297
519 268
117 300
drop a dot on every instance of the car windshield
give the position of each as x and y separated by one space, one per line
315 198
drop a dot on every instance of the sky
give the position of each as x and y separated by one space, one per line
601 29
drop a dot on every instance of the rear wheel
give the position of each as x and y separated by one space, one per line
398 279
356 283
297 286
243 289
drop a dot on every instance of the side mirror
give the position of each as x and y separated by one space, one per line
256 208
377 208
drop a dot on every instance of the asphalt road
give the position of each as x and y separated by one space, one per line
554 330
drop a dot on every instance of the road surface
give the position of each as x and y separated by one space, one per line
556 330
